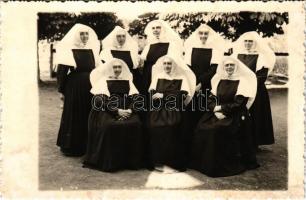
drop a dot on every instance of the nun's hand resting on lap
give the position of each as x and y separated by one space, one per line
217 108
158 96
124 114
219 115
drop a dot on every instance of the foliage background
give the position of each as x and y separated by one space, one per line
53 26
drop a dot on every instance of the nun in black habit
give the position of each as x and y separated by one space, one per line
114 128
255 53
171 89
119 44
204 49
221 143
161 40
77 55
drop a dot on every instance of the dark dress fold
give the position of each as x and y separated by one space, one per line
126 57
156 51
219 146
261 109
75 87
204 70
114 144
202 67
164 125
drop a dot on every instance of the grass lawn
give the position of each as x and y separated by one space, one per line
57 172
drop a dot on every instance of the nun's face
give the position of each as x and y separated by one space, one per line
121 37
248 44
230 67
84 36
156 30
117 68
203 35
168 65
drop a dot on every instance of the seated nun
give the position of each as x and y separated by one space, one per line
171 89
77 55
119 44
114 128
255 53
221 143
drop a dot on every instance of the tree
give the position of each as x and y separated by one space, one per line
230 25
137 26
53 26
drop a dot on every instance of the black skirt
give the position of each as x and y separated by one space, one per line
223 147
262 118
164 126
216 147
190 118
261 109
113 144
72 134
165 139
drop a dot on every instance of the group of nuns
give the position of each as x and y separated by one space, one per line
172 81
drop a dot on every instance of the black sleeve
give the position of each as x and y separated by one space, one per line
262 75
131 101
61 75
152 101
101 101
178 97
238 103
212 101
98 102
152 92
182 94
176 93
206 77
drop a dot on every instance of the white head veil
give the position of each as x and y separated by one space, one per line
247 79
180 71
266 56
110 43
167 35
72 40
99 84
214 42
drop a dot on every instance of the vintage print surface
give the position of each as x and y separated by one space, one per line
152 100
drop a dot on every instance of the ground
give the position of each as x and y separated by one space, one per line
57 172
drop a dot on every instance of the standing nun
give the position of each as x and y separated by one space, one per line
161 40
204 49
119 44
255 53
77 55
115 136
172 87
220 143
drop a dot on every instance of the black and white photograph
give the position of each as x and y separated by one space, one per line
166 99
236 63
